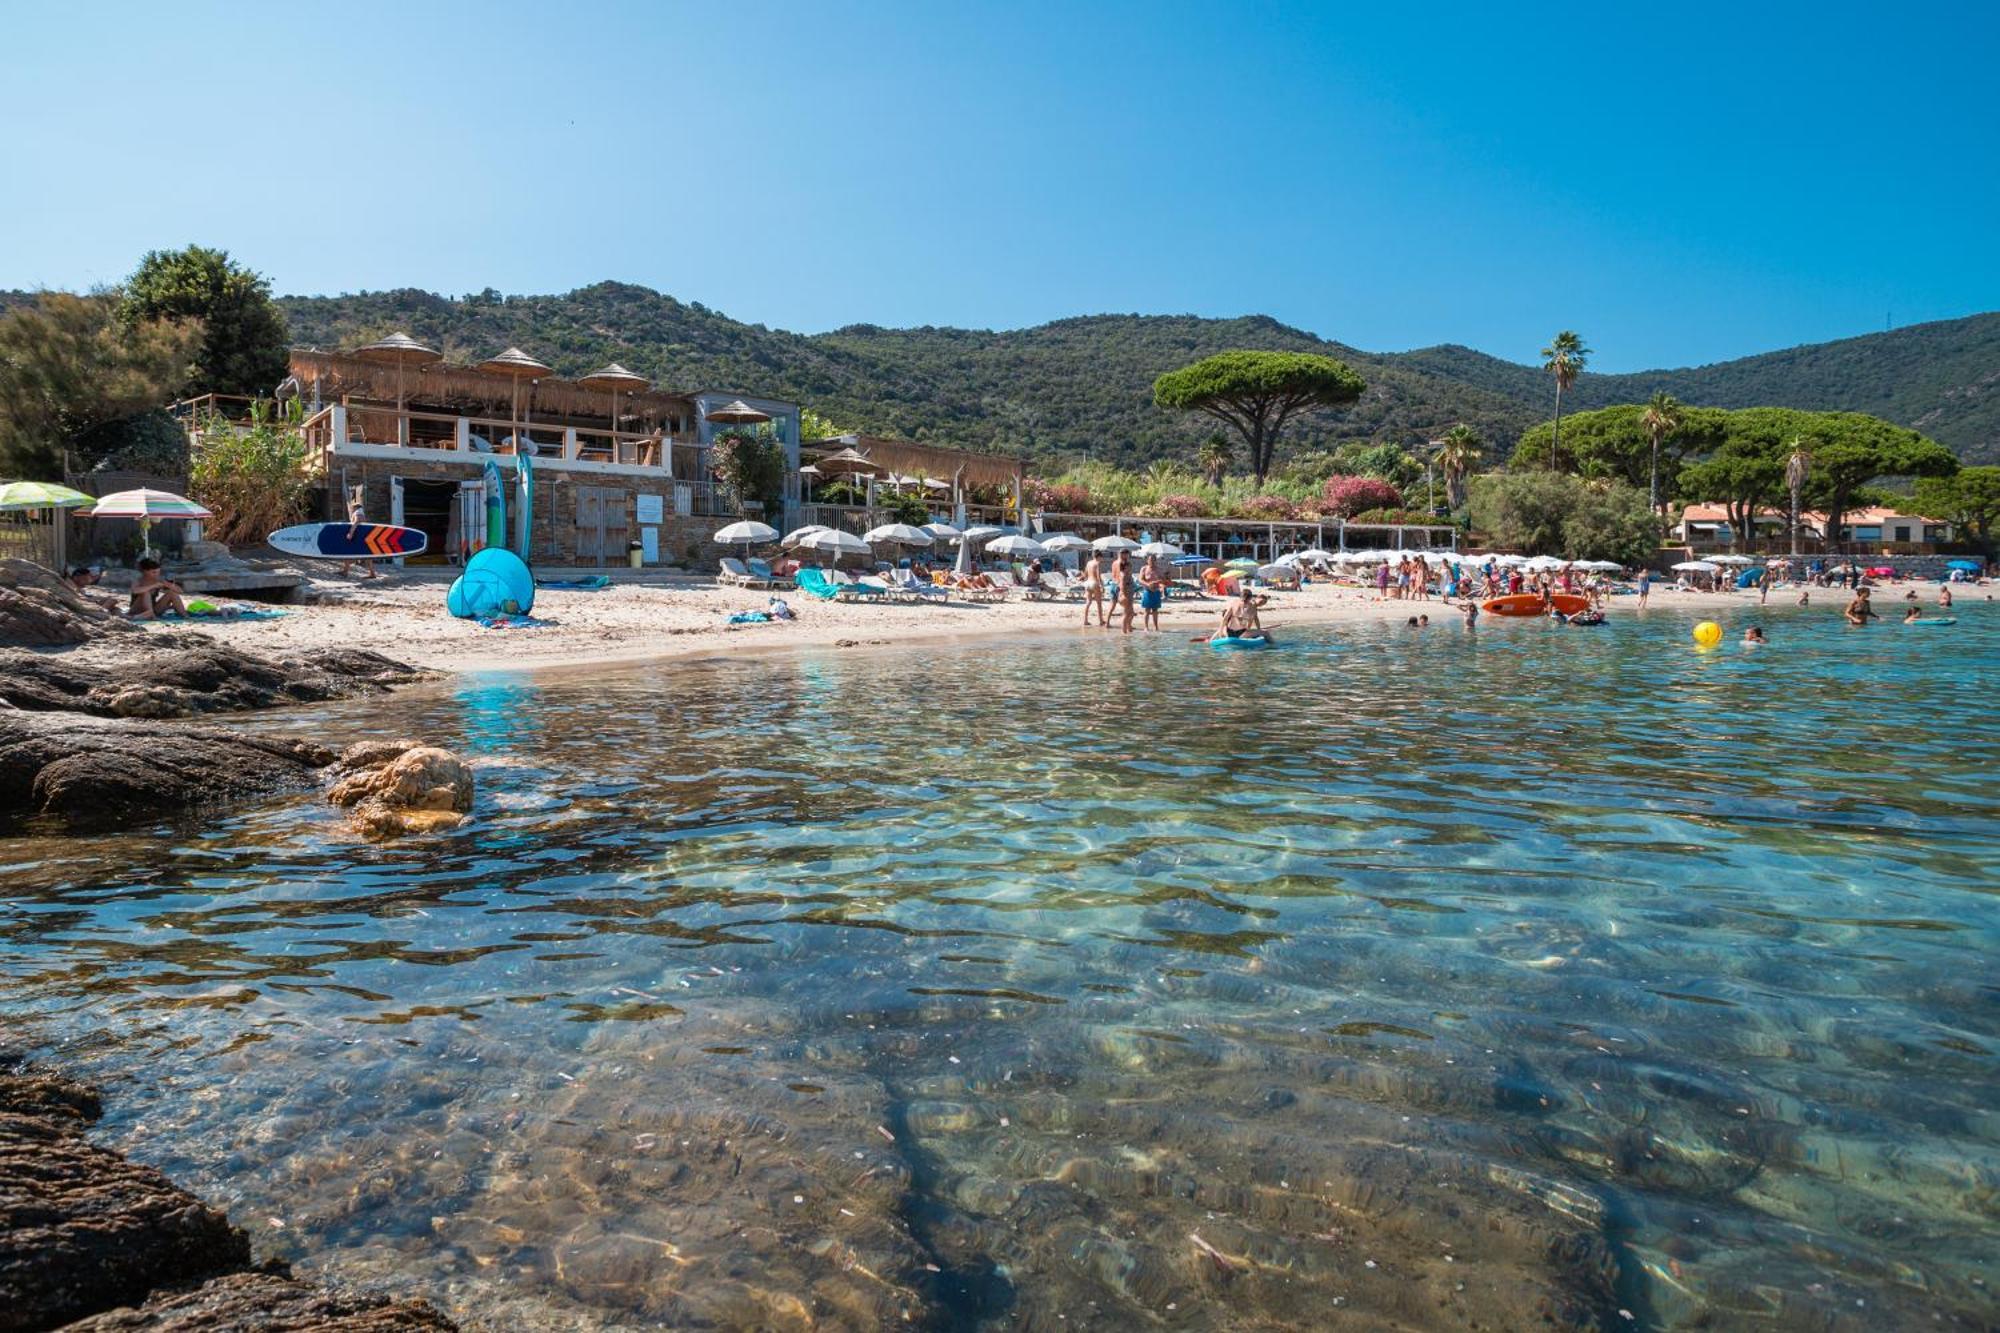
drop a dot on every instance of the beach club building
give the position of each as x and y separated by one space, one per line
614 460
1706 527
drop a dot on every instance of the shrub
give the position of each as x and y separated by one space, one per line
1175 506
254 480
752 465
1348 496
1395 516
1271 508
1061 497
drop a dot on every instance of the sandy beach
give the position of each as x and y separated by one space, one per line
403 616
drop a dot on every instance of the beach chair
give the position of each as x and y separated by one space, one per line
847 588
906 586
734 573
761 570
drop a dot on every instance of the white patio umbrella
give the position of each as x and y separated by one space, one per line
1165 550
1310 553
1114 543
797 536
980 532
146 506
1015 544
834 542
746 533
1731 560
942 532
1064 541
897 534
1696 567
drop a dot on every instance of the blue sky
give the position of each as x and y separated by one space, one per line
1680 183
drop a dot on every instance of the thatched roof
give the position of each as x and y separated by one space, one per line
927 460
399 349
334 375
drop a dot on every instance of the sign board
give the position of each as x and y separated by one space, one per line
649 543
652 509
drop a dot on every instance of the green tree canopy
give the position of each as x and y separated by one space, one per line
71 375
1852 449
1256 393
1744 477
1456 453
1969 501
1613 443
1552 513
243 337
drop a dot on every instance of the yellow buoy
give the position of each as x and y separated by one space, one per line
1708 634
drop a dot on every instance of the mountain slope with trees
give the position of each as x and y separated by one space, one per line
1081 388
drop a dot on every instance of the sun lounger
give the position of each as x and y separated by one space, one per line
996 593
761 569
847 588
733 572
906 586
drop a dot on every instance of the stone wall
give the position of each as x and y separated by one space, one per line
556 538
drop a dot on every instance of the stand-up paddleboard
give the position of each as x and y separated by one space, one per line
496 508
1531 604
524 517
348 541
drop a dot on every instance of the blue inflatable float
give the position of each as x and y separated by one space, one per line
1222 643
495 583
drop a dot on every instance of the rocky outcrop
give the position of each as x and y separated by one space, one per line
39 609
87 1235
265 1301
94 772
401 787
188 675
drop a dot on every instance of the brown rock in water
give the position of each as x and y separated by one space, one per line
86 1235
81 1228
91 771
401 787
266 1301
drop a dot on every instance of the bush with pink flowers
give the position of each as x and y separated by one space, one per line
1270 508
1348 496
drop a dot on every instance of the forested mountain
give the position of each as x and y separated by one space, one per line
1083 386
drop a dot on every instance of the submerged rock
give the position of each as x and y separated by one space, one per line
91 771
87 1235
400 787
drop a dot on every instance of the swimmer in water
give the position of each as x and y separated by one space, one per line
1754 635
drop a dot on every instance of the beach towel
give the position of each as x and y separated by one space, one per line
200 608
750 618
593 583
511 622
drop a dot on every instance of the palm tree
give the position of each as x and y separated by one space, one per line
1563 358
1455 454
1798 468
1661 418
1214 457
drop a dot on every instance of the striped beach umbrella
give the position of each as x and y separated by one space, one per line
146 506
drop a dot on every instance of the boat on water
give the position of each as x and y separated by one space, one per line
1531 604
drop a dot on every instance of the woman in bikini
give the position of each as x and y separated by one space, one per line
1128 588
1093 590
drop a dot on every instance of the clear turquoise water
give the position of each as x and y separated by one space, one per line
1427 977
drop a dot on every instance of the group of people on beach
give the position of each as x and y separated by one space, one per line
152 596
1140 593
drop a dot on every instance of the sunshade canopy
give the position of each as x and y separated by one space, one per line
1015 544
846 462
516 363
746 533
399 349
1696 567
737 412
902 534
615 376
40 495
147 504
1065 541
836 542
1114 543
1159 548
798 535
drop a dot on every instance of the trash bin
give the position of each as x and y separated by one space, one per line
635 554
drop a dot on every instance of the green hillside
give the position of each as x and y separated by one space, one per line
1083 386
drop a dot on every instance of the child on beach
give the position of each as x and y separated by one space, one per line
152 595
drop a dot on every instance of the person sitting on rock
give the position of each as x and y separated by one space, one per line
82 579
153 595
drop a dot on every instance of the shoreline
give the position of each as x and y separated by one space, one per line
632 623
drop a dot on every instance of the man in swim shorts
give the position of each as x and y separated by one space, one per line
1239 620
1152 591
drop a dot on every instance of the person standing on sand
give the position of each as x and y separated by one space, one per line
1127 589
1382 582
1152 592
1093 590
354 522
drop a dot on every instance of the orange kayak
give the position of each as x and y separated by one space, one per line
1530 604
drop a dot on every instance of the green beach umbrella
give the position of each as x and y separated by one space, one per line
41 495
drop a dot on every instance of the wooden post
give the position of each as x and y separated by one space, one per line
461 436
